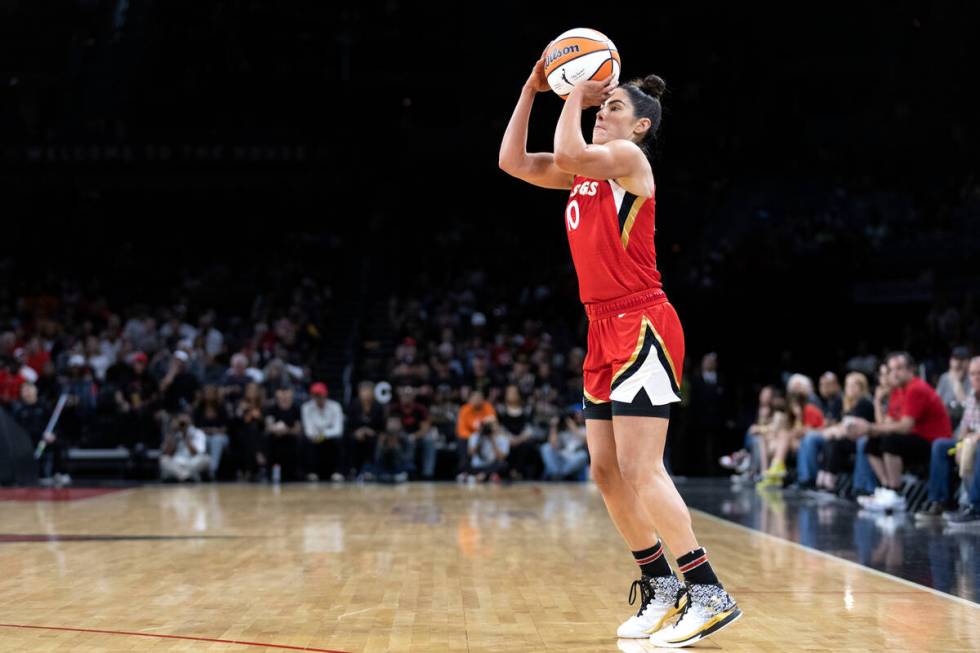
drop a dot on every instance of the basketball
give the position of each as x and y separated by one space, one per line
579 54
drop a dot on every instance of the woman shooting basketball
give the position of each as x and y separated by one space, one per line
635 341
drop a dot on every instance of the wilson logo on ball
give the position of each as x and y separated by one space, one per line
560 53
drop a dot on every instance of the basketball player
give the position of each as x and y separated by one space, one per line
635 341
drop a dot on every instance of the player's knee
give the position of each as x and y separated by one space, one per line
605 474
641 473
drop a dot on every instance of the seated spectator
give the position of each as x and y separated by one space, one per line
488 447
864 481
565 454
366 420
236 378
970 513
916 417
420 436
941 464
838 446
389 458
283 430
183 456
323 424
829 398
32 415
211 417
746 462
471 415
140 397
179 385
954 385
801 417
514 416
250 432
82 394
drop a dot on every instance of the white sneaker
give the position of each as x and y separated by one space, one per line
709 608
882 500
337 477
661 599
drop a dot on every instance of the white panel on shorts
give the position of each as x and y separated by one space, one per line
652 377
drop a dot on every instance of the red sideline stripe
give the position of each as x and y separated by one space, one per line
187 637
651 558
693 563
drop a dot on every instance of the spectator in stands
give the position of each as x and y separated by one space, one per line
33 416
829 401
708 413
211 416
829 398
389 459
250 432
183 455
283 429
838 446
366 420
444 412
564 454
323 424
970 440
140 397
419 437
82 395
954 385
471 415
236 378
514 416
179 385
801 417
916 416
747 462
488 447
865 482
941 464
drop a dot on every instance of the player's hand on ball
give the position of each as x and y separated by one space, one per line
537 81
593 93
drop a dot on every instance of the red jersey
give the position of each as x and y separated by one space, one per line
917 399
610 234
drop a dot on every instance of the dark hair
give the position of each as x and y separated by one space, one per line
904 355
645 94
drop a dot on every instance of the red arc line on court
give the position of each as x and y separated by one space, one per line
187 637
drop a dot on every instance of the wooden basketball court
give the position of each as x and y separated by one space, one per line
416 568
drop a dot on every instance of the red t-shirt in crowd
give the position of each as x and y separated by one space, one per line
812 416
917 399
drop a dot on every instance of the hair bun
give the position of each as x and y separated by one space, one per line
652 85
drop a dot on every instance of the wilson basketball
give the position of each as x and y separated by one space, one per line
579 54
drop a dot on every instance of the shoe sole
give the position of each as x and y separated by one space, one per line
734 616
670 614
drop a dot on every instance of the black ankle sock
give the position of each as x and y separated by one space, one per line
652 561
696 568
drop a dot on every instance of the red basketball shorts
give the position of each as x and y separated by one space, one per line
635 343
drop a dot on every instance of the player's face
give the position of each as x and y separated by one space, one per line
615 119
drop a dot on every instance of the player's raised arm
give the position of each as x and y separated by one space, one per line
536 168
610 156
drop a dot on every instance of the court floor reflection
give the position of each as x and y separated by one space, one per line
931 555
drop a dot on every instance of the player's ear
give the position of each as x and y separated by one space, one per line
641 126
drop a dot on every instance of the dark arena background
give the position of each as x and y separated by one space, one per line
216 213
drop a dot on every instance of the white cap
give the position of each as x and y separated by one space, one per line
28 374
181 355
